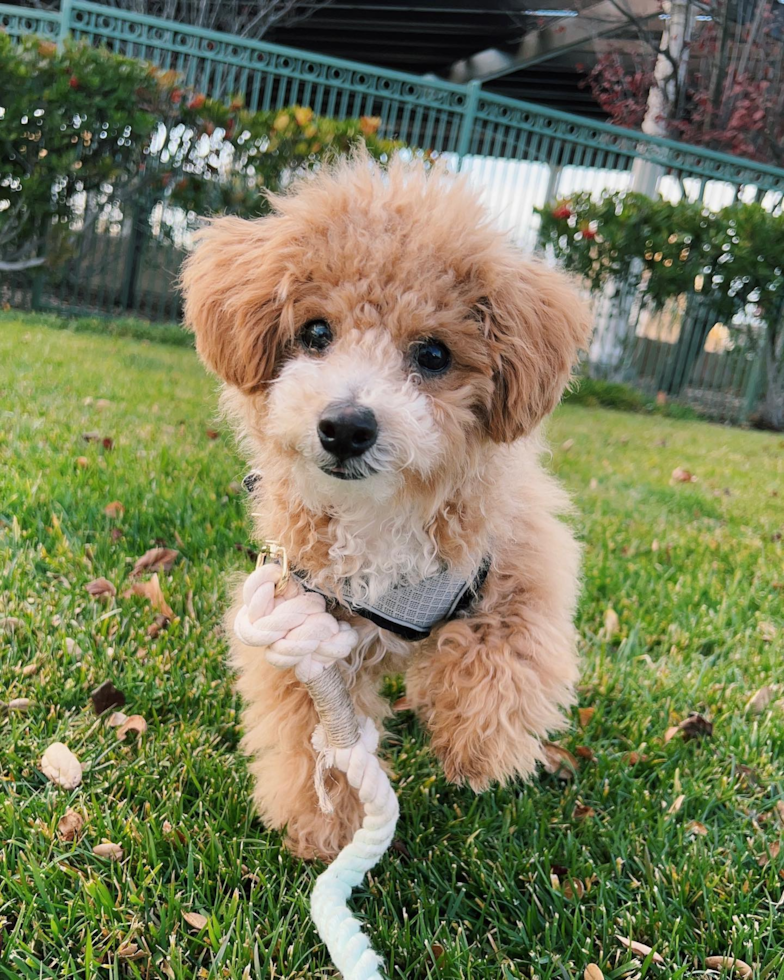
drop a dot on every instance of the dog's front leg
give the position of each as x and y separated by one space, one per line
491 686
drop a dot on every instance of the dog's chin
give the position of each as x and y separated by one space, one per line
324 483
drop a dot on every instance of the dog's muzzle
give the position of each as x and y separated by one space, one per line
346 431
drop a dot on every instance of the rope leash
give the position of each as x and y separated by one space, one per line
298 633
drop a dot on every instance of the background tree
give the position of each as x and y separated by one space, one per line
248 18
717 79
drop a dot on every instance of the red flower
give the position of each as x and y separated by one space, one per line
562 212
73 81
176 96
588 234
197 101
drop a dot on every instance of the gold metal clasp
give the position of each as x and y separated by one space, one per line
272 551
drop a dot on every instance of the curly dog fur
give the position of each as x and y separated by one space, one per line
389 259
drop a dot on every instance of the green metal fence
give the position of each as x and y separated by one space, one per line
518 154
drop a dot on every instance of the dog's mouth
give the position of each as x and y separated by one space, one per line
348 470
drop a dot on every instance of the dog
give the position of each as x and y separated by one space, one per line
388 356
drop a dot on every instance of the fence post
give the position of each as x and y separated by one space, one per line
64 27
469 117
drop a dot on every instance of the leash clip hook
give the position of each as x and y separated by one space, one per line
274 551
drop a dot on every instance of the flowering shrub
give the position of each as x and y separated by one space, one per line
83 123
732 259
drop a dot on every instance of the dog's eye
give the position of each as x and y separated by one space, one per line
316 335
431 356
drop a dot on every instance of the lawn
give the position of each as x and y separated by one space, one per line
671 843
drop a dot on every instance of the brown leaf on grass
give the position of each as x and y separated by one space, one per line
101 587
780 811
212 433
573 888
107 442
611 624
130 951
102 403
108 850
566 446
69 826
133 724
195 920
151 589
640 949
676 804
767 631
114 509
559 761
189 605
695 827
438 951
116 718
156 560
402 704
680 475
693 726
82 462
160 623
106 696
583 812
592 972
758 702
29 669
585 753
771 854
91 436
61 766
729 963
585 715
19 704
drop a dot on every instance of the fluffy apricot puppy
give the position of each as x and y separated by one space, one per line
388 356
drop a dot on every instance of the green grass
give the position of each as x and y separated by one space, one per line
694 572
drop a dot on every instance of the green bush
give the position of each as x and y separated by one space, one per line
83 125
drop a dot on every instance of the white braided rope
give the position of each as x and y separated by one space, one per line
297 632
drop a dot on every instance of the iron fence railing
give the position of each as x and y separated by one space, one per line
518 154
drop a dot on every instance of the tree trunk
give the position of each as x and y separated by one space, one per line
669 75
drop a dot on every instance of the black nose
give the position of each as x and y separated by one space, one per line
347 430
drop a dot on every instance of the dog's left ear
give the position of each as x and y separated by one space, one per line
536 323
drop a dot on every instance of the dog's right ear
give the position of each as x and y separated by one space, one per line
234 298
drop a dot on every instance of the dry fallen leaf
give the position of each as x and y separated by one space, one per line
592 972
91 436
82 462
584 752
29 669
156 560
566 446
151 589
61 766
770 855
677 803
758 702
640 949
680 475
108 850
212 433
106 696
70 825
694 726
573 888
583 812
780 811
116 718
129 951
585 715
133 724
767 631
195 920
19 704
114 509
611 624
160 623
695 827
559 761
437 950
101 587
729 963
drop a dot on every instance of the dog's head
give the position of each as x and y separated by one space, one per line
378 330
